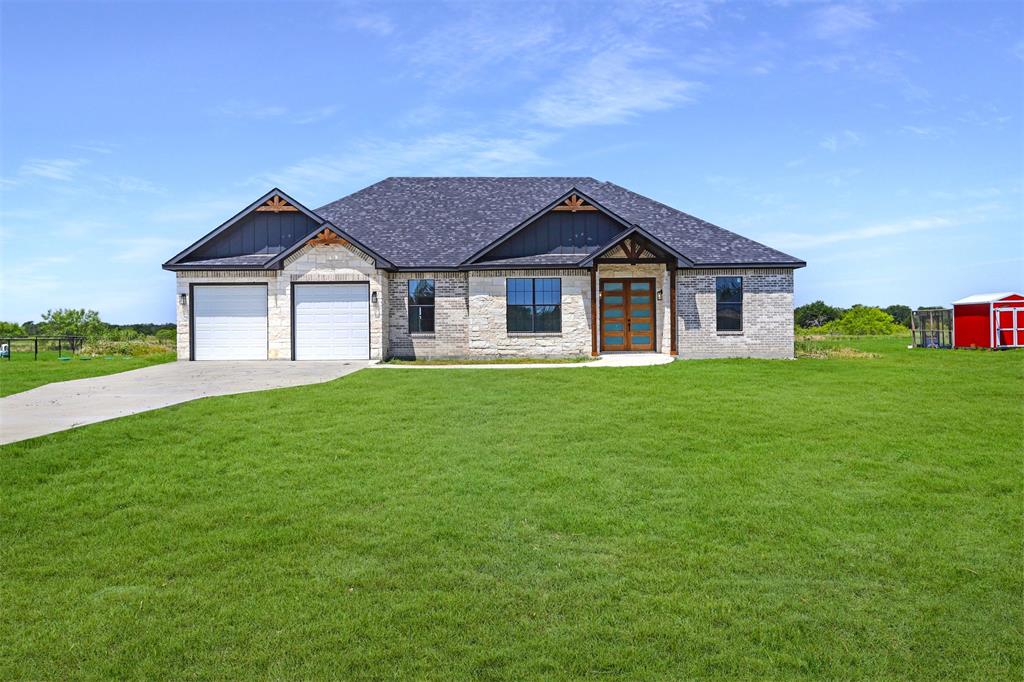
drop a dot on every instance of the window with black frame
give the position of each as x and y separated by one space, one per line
421 306
534 304
729 303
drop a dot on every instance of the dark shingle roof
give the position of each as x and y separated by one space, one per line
256 261
442 222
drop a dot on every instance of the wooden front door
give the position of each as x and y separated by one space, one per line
627 314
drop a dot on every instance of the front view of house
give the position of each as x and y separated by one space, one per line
477 268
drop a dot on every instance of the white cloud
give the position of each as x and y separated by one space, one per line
927 132
314 115
960 218
52 169
143 249
612 87
840 22
249 110
842 140
373 23
455 153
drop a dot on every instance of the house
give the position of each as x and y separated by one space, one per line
479 267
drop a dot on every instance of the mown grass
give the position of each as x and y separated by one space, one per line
21 372
827 519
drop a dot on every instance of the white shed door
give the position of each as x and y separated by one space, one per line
332 321
230 322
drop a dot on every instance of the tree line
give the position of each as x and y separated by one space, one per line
857 319
87 323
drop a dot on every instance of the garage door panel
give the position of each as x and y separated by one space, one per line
332 321
229 322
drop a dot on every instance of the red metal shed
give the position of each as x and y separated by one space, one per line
989 321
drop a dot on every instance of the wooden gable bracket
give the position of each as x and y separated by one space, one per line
276 204
574 203
327 238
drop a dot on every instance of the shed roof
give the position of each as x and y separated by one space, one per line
987 298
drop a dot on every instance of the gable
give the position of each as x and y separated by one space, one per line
261 232
266 227
573 227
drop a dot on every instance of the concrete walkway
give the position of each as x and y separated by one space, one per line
606 360
67 404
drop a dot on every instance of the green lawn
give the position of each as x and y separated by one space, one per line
855 518
22 372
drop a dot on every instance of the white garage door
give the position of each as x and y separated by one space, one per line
230 322
332 321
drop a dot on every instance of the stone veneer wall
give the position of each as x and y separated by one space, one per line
489 336
451 316
767 315
331 263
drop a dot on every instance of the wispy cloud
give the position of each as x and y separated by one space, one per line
842 140
52 169
927 132
840 22
464 52
612 87
253 111
374 23
249 110
314 115
455 153
142 249
967 216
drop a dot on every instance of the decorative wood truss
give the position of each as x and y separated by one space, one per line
633 249
276 204
327 238
574 203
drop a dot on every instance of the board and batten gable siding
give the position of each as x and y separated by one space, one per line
767 314
559 232
260 232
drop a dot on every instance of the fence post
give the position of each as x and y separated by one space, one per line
35 356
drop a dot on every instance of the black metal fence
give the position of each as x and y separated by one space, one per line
71 344
932 328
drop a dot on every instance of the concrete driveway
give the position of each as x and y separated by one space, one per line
67 404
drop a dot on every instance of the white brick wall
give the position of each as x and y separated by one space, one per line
451 316
767 315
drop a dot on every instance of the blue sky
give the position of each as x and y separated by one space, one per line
881 142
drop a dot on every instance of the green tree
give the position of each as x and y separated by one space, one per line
169 335
11 329
816 314
72 322
900 314
865 321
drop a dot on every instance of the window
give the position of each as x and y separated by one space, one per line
534 305
421 306
729 303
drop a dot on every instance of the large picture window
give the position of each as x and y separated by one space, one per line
534 304
421 306
729 303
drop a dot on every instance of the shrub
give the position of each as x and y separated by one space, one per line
864 321
11 329
134 348
167 335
